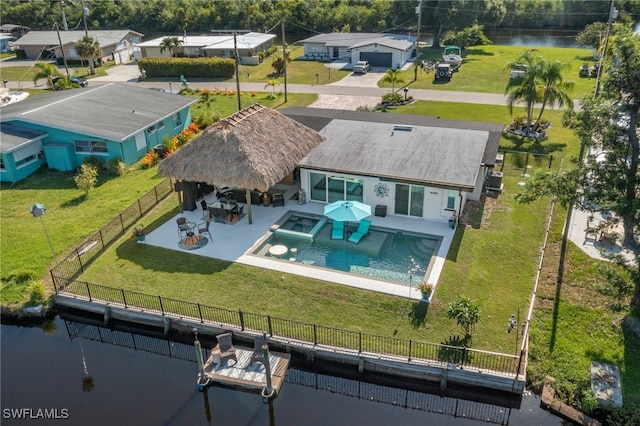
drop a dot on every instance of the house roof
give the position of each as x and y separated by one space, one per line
13 137
7 28
403 147
114 111
254 148
358 40
244 41
50 38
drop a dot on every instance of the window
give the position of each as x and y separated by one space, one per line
335 188
26 160
161 125
318 186
90 147
176 120
2 164
151 130
451 200
409 200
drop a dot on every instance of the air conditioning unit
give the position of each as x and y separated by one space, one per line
494 182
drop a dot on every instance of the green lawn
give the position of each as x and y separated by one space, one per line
26 74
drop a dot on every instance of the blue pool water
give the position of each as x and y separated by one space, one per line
384 254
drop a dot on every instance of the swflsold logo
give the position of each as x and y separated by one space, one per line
35 413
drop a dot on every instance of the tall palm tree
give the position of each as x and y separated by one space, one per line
273 83
525 89
88 48
393 77
170 43
47 71
553 86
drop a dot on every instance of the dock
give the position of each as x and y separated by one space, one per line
245 376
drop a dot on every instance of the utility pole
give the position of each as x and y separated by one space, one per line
284 58
64 18
419 12
235 50
64 57
85 12
613 14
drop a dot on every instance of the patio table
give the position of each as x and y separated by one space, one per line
278 250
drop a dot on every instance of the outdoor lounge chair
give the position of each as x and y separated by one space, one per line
337 232
227 351
363 229
258 352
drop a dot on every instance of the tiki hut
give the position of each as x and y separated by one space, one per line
255 148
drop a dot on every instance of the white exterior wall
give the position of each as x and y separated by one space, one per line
434 205
315 48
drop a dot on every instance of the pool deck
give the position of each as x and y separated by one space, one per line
235 242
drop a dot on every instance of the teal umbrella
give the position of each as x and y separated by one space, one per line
347 211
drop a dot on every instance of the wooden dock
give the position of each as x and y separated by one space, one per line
245 376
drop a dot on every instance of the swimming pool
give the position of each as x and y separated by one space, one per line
384 254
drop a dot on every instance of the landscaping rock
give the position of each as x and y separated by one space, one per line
605 382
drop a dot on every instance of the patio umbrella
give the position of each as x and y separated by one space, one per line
343 211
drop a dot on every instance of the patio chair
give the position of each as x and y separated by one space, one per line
181 221
337 232
205 212
203 228
277 199
363 229
227 351
258 352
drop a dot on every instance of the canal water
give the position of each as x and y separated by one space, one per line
75 373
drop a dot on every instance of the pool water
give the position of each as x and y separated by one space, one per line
383 254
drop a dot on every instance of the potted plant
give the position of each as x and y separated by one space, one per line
426 289
139 232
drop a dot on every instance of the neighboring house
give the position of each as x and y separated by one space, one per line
115 45
4 42
61 129
381 50
248 45
406 165
16 31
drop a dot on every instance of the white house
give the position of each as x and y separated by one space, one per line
248 45
404 165
381 50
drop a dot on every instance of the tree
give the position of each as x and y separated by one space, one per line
88 48
551 84
87 178
207 99
592 35
524 89
48 71
393 77
278 65
273 83
465 313
170 43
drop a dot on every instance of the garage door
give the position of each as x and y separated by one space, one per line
377 59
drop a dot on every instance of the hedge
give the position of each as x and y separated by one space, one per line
188 67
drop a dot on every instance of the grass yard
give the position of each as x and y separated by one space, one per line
27 73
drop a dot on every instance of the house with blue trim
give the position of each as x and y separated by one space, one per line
61 129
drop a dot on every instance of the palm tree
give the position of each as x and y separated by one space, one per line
552 86
273 83
47 71
170 43
393 77
88 48
525 88
206 97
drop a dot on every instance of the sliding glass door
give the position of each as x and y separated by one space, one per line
331 188
409 200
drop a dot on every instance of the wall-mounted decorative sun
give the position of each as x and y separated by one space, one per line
381 190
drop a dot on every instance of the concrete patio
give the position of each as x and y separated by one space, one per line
235 242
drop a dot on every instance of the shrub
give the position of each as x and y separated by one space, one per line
188 67
94 161
38 294
150 159
87 178
392 98
116 167
470 36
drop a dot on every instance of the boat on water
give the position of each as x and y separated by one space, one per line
8 97
452 55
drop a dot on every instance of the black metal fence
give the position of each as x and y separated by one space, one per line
317 335
88 251
526 163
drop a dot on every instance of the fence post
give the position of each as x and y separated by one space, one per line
79 260
410 341
139 209
359 341
155 191
315 334
101 239
241 319
122 224
550 161
161 307
464 357
55 286
270 325
200 313
88 291
124 298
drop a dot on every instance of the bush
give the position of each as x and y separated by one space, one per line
470 36
150 159
188 67
94 161
38 294
392 98
116 167
87 178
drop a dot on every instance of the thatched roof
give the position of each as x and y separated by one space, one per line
254 148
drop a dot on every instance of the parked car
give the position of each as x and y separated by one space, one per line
584 70
518 71
74 80
361 67
443 72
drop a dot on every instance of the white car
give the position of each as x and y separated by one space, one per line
361 67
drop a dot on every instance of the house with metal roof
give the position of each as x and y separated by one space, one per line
115 45
62 129
406 165
248 44
380 49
